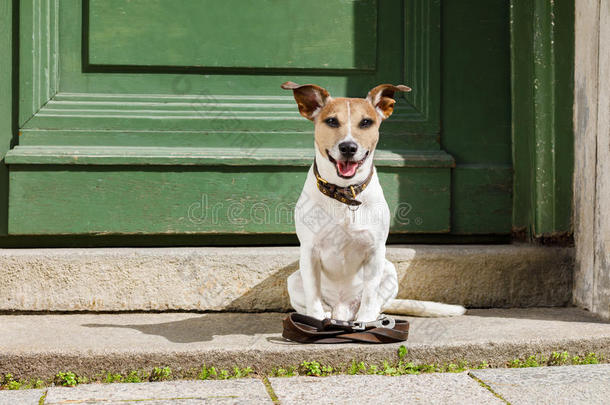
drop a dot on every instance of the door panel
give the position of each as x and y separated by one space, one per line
216 199
315 34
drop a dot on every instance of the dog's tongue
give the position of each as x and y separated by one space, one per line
347 168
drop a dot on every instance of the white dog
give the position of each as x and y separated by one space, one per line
342 219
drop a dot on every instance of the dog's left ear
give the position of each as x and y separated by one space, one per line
382 98
309 97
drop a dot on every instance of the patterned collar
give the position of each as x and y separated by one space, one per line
346 195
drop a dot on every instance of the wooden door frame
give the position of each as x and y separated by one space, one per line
542 70
9 79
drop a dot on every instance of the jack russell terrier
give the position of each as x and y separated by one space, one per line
342 219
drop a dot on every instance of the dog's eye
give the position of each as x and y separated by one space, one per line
332 122
365 123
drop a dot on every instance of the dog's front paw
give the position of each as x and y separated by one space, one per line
367 316
317 311
319 314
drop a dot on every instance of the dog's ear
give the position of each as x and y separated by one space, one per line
309 97
382 98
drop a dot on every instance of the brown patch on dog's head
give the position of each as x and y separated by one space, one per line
382 98
310 98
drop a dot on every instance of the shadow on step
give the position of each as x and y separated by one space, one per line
206 327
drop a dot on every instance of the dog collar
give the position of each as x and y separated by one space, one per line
346 195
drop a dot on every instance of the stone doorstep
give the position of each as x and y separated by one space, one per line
254 278
87 344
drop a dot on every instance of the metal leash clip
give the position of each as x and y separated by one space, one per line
383 322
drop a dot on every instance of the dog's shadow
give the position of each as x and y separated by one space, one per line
204 328
270 293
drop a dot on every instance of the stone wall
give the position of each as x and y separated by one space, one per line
592 156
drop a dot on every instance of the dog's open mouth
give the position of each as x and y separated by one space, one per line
347 168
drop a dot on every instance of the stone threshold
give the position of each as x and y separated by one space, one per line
249 279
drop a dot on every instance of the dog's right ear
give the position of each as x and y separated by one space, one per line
309 97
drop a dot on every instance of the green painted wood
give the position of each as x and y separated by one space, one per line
244 157
476 113
249 140
242 111
164 200
38 58
542 87
7 108
481 199
217 109
205 112
522 83
156 100
208 113
422 39
233 33
192 82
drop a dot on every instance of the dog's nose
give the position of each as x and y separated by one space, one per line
348 149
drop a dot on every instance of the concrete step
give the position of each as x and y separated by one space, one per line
39 346
254 279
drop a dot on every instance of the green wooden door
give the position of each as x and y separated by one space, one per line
166 116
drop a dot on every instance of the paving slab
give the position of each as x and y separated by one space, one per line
20 397
586 384
439 388
42 345
238 391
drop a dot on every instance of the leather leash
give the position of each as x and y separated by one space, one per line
305 329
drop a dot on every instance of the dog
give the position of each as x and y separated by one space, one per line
341 217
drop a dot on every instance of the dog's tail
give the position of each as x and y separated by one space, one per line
422 308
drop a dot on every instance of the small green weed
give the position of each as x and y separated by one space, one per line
356 368
556 359
207 373
212 373
114 378
402 352
35 383
224 375
530 361
67 379
13 385
589 358
136 376
283 372
559 359
314 368
422 368
9 382
242 372
161 374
